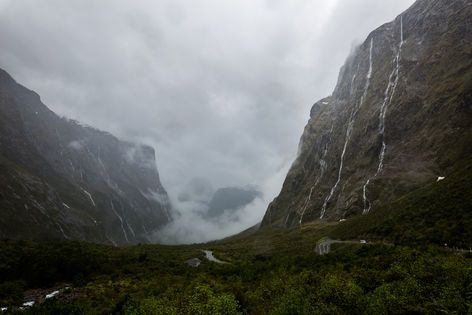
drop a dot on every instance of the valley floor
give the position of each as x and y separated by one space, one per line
270 272
403 267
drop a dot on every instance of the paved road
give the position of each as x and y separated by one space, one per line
210 257
324 245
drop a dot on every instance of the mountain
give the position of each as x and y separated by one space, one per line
393 142
231 198
399 118
198 189
62 180
403 267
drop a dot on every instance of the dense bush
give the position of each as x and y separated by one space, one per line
404 268
353 279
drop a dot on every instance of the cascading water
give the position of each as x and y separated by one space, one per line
62 231
350 127
90 196
323 166
354 78
306 204
120 219
130 228
388 96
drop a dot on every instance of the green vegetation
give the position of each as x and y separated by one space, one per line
353 279
439 213
404 267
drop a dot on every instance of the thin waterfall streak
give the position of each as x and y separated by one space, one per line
306 205
145 230
388 96
349 129
62 231
354 78
130 228
364 194
90 196
381 158
120 219
401 30
286 219
333 189
323 167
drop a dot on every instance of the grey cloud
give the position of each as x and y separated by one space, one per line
222 89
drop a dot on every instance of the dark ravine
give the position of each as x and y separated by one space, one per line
62 180
399 118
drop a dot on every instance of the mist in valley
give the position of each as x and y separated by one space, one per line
220 89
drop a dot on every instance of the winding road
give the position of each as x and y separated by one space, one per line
324 245
210 257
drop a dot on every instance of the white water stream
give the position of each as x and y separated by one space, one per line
350 127
210 257
89 195
323 166
388 96
121 220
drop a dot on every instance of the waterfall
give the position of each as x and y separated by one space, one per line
388 96
121 220
350 127
353 79
305 206
90 196
323 167
62 231
130 228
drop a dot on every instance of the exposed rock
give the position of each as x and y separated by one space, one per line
401 114
60 179
193 262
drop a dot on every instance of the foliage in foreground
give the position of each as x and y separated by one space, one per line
437 213
353 279
404 269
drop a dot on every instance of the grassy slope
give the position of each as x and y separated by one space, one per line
437 213
272 270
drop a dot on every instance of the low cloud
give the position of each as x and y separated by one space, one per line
221 89
76 145
191 225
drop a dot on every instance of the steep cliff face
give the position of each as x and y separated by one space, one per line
63 180
399 117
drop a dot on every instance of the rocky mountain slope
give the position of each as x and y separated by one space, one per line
59 179
400 117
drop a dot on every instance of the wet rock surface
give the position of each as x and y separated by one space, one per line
62 180
399 117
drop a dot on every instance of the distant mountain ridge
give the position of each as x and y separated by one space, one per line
232 199
60 179
399 117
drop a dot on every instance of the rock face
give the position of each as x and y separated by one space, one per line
59 179
400 116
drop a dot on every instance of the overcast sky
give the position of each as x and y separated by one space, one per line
221 89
